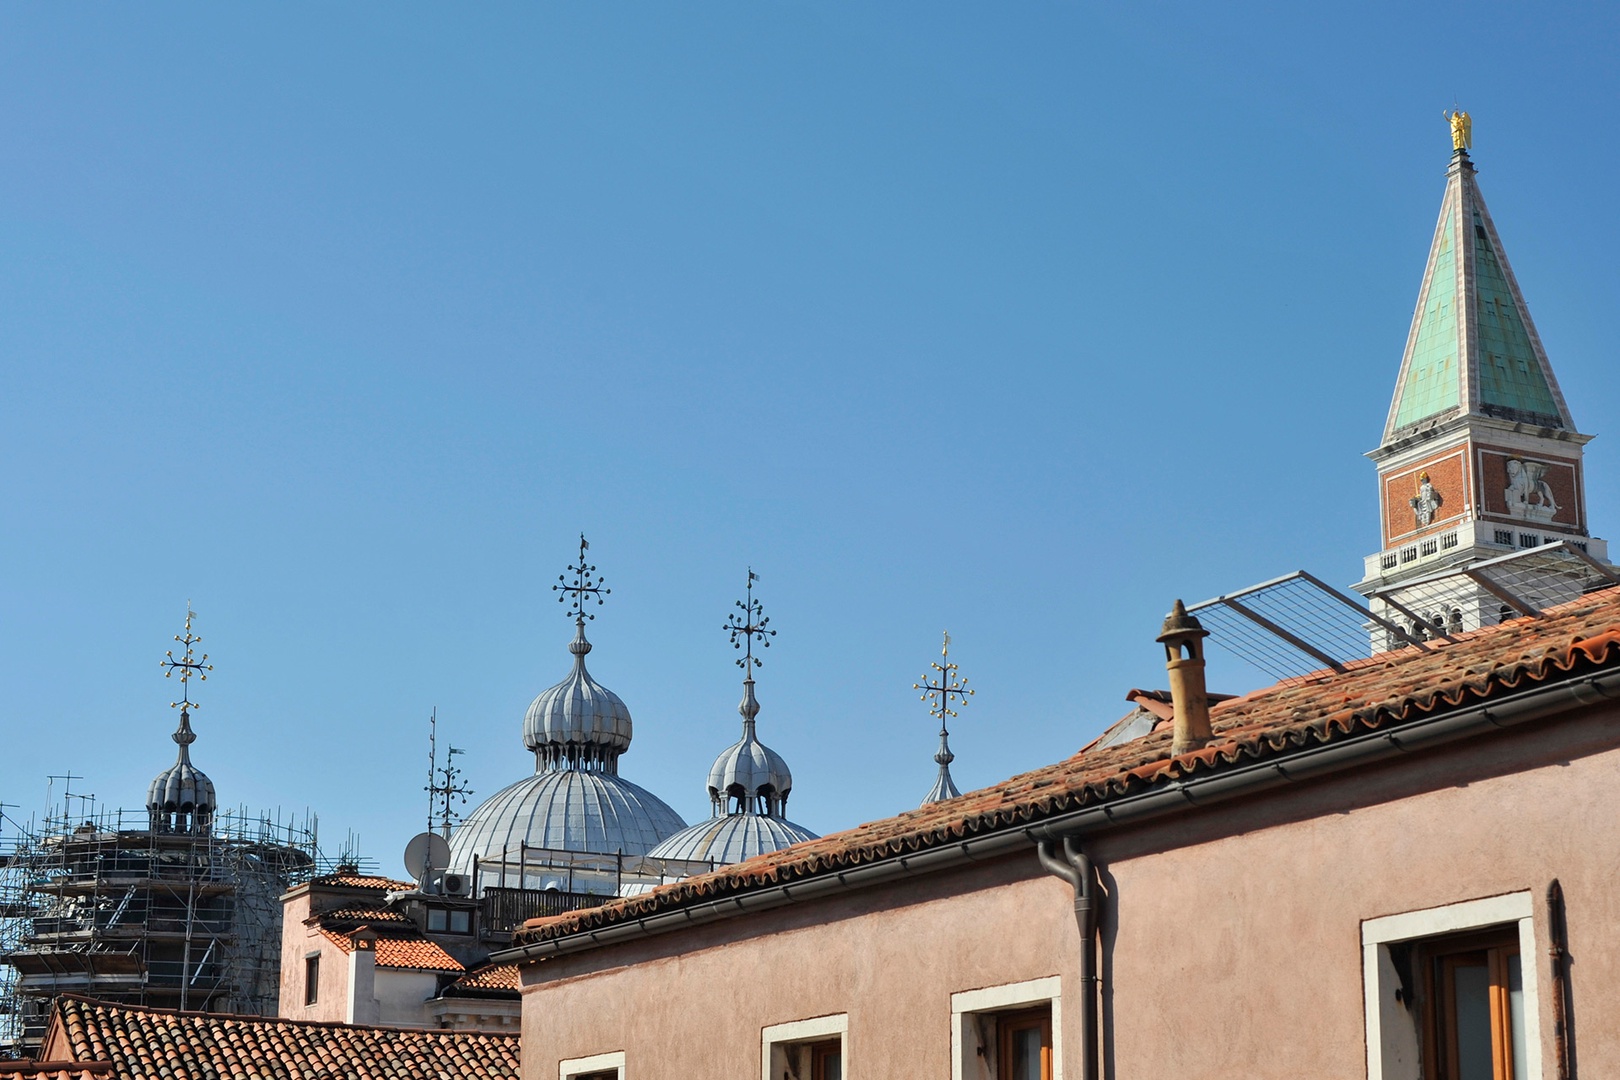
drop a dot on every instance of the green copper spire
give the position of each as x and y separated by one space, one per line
1472 348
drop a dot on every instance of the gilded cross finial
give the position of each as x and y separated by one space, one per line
587 585
188 664
1462 128
940 694
750 627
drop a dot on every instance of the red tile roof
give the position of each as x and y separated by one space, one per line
363 881
490 977
416 953
359 914
145 1044
1385 690
55 1070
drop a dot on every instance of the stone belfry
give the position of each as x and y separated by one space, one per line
1480 455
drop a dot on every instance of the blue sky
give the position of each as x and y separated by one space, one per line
344 322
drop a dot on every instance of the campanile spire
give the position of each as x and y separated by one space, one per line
1480 456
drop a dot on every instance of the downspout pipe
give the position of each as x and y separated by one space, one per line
1075 868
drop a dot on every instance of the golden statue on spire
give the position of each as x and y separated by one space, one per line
1462 129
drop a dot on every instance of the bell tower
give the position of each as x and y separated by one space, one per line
1480 456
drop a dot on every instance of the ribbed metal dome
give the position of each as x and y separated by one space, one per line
564 809
732 838
748 775
181 798
579 723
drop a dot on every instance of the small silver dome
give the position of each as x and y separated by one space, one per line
181 798
579 723
567 810
731 838
749 776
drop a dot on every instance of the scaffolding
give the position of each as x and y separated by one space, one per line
103 904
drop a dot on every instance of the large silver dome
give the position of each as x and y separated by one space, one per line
576 800
578 721
565 810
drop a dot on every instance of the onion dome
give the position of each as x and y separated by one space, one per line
181 797
748 776
579 723
576 801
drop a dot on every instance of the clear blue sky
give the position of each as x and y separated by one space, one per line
1021 320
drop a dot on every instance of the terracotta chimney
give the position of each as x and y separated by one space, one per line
1183 638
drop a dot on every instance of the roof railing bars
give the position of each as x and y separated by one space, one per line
1363 610
1501 592
1587 558
1272 628
1417 619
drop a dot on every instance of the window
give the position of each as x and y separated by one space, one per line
595 1067
1025 1044
461 922
437 920
811 1049
312 979
1471 993
1007 1032
1447 995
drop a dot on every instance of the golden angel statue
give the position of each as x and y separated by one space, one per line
1462 129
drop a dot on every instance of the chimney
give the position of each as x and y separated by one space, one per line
363 1007
1183 639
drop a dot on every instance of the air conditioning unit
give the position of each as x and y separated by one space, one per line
455 884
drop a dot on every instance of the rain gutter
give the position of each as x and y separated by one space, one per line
1197 791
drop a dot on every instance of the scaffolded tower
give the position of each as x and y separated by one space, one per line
175 906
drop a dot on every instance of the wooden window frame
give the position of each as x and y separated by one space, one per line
821 1053
312 980
1438 960
1008 1024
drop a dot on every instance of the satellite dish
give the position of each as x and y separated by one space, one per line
424 850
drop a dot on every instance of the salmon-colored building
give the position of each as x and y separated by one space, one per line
1397 867
1398 871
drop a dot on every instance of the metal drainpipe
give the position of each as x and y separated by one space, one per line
1075 868
1558 951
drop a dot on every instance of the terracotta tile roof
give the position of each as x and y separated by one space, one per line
359 915
1385 690
55 1070
363 881
416 953
490 977
144 1044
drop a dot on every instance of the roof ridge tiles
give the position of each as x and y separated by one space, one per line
1285 717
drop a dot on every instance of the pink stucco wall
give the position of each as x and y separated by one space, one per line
297 942
1231 936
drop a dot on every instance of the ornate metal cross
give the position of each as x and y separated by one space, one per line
939 694
750 627
587 584
187 665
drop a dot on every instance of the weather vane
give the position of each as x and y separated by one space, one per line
188 665
939 696
587 584
750 628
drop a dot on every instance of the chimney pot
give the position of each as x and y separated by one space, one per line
1183 639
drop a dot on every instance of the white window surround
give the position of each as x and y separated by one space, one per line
968 1004
596 1063
775 1039
1392 1050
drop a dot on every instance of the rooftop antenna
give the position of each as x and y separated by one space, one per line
446 786
939 695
